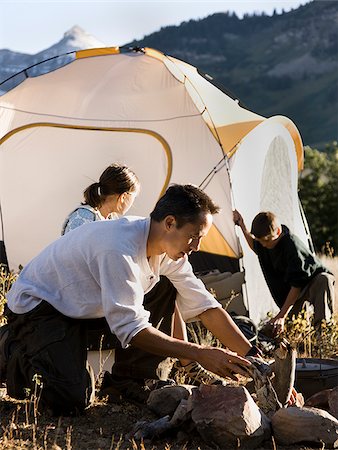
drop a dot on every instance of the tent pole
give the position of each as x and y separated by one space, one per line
306 226
203 185
3 256
241 265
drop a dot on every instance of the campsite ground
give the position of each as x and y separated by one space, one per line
104 426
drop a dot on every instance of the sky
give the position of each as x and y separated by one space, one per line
32 26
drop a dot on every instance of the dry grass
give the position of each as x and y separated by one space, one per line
311 342
332 264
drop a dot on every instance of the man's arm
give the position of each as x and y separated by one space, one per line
238 219
220 361
220 323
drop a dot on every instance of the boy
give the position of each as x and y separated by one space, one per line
292 273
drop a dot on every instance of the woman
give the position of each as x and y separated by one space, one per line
110 198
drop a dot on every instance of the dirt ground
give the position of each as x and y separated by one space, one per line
103 427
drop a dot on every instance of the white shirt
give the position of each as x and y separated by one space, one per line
101 270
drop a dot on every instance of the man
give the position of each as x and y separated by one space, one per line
293 274
103 269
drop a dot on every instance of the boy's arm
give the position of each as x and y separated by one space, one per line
279 319
238 219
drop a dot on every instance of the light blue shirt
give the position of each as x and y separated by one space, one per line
79 216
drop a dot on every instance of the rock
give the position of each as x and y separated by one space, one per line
319 399
154 429
151 430
228 417
265 393
182 413
333 402
285 371
294 425
165 400
326 399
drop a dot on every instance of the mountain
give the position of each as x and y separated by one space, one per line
74 39
281 64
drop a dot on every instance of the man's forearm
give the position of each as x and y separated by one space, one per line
217 360
154 341
220 323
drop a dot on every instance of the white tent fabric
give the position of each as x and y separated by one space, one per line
157 115
270 174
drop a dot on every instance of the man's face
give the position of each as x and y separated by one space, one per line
182 241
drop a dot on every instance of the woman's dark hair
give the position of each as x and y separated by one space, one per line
185 203
115 179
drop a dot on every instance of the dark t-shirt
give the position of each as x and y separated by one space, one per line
289 264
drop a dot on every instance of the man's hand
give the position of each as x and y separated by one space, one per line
224 363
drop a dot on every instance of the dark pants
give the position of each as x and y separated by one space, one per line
320 293
135 363
46 343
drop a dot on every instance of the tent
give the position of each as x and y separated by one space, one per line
164 119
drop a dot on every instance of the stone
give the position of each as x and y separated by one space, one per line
267 398
228 417
294 425
150 430
285 371
326 399
157 428
182 413
165 400
319 400
333 402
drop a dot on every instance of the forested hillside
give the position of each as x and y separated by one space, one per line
284 64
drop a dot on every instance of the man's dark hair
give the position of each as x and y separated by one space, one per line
185 203
264 224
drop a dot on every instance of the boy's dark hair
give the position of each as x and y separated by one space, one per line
264 224
185 203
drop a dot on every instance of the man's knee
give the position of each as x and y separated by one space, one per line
66 400
61 395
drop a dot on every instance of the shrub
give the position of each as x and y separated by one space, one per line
6 281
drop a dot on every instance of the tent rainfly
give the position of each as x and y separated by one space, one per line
165 120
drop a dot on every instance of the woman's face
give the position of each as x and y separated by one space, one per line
126 201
